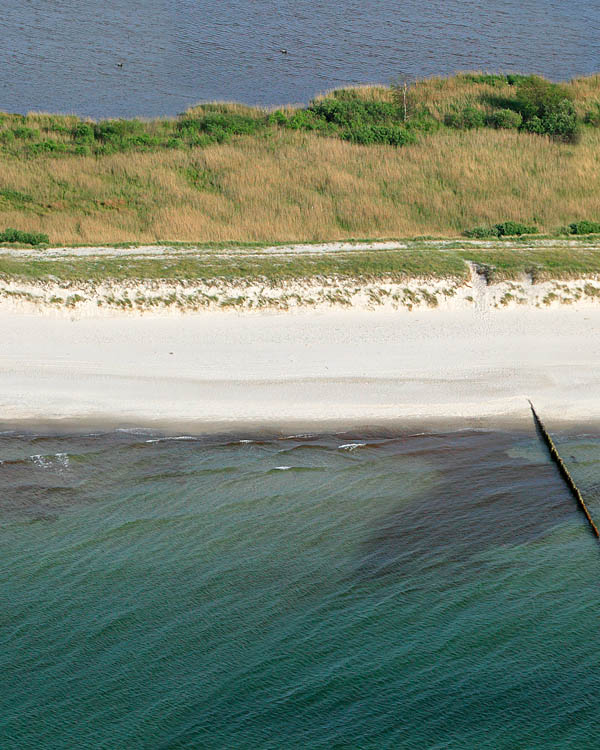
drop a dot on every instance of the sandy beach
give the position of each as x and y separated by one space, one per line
300 370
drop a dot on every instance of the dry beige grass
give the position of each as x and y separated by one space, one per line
296 186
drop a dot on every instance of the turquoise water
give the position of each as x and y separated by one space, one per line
413 591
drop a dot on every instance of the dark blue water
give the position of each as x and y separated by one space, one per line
63 56
425 591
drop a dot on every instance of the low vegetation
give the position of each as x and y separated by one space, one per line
419 260
443 157
505 229
18 237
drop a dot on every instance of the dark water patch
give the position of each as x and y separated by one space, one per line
481 499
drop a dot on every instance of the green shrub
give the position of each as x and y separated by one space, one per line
221 124
512 228
354 113
481 233
393 135
26 238
547 108
83 132
507 119
48 146
467 118
304 119
537 96
278 118
535 125
561 122
584 227
114 130
514 79
505 229
25 133
56 125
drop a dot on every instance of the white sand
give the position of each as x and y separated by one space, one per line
301 370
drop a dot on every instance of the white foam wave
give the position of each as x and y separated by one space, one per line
49 462
167 439
351 446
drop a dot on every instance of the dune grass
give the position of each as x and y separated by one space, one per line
237 266
251 178
419 260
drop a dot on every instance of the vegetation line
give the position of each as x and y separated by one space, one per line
488 155
564 472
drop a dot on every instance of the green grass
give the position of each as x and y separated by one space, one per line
542 264
239 267
245 265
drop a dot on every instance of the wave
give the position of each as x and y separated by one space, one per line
351 446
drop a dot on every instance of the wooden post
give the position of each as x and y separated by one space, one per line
564 472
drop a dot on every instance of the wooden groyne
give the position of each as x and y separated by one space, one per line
564 472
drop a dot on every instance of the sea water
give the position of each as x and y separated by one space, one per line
122 58
435 590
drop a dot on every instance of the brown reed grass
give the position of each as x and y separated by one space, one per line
283 185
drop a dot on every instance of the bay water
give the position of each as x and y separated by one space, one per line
123 58
434 590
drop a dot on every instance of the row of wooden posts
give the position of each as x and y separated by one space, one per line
555 456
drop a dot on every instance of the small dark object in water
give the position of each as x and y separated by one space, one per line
119 65
283 51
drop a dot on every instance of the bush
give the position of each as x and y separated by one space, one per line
466 119
561 122
304 119
46 147
547 108
83 132
26 238
512 228
393 135
174 143
514 79
481 233
353 113
25 133
584 227
221 124
278 118
507 119
505 229
114 130
534 125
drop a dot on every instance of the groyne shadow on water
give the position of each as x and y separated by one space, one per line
484 498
